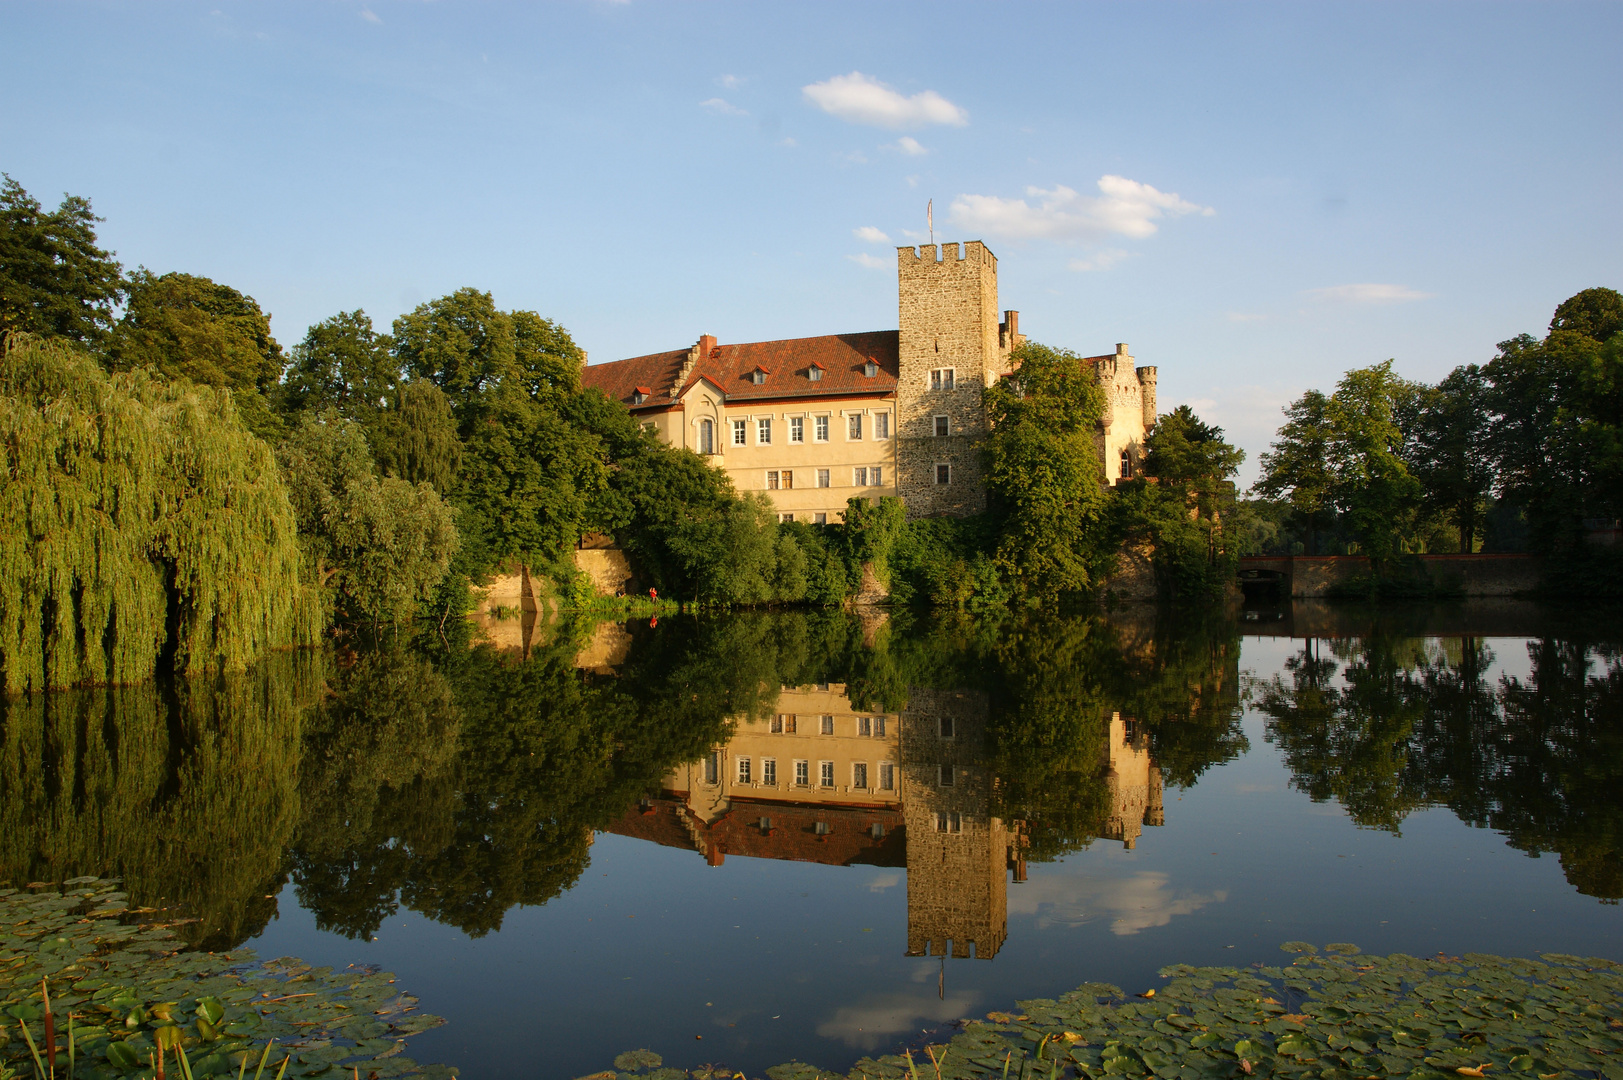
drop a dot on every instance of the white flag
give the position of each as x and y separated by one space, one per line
929 218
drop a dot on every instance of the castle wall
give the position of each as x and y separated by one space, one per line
1129 411
957 853
948 320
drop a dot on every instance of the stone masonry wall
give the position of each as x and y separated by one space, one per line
957 854
948 318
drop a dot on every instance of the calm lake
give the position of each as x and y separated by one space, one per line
750 838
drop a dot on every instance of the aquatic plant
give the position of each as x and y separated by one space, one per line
88 990
145 526
1332 1016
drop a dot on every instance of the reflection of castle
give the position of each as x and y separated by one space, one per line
821 782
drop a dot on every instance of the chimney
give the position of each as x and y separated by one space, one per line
707 345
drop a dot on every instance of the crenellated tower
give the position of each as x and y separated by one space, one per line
951 347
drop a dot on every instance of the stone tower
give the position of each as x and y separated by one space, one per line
957 853
951 347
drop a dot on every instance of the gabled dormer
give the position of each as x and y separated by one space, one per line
759 374
641 394
814 372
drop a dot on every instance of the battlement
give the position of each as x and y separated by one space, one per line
943 256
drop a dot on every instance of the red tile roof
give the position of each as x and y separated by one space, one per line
849 841
841 356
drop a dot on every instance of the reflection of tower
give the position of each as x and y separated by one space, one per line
1135 783
957 853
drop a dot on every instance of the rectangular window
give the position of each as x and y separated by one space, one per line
879 727
943 474
943 427
802 774
769 772
859 775
789 724
797 429
777 724
944 775
743 770
712 767
881 425
740 433
820 428
942 379
822 478
864 725
875 475
853 427
859 477
821 828
763 431
877 831
765 825
825 773
887 776
945 727
949 822
820 519
828 725
788 479
772 480
785 517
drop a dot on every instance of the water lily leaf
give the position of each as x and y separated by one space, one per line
633 1060
24 1012
123 1055
1299 947
210 1009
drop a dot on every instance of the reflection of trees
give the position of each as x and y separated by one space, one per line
187 790
1415 723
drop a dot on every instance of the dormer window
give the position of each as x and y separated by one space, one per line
815 373
758 376
870 369
641 394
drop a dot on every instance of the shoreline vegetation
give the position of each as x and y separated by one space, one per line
1338 1015
92 989
190 495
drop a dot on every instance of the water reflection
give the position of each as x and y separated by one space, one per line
460 780
1385 725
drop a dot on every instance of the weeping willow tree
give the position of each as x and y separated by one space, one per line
146 528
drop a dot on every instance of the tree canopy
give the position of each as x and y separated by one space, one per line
54 280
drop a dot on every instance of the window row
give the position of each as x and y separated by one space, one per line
813 372
861 476
822 828
867 726
857 426
746 773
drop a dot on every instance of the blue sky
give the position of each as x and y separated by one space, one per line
1255 197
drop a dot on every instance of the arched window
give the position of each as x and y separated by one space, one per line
1126 465
707 437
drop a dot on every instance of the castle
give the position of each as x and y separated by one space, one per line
824 782
815 421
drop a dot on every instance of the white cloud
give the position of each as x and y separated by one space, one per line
1135 903
1367 294
888 880
878 1020
1099 260
863 99
1123 207
871 235
852 157
910 146
371 16
722 107
872 262
729 82
787 141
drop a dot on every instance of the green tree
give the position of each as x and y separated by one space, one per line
381 544
1297 467
1450 453
1043 472
342 364
147 529
54 280
413 436
1185 510
187 327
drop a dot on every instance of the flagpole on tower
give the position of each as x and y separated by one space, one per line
929 219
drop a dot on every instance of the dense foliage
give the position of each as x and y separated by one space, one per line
146 528
1523 452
